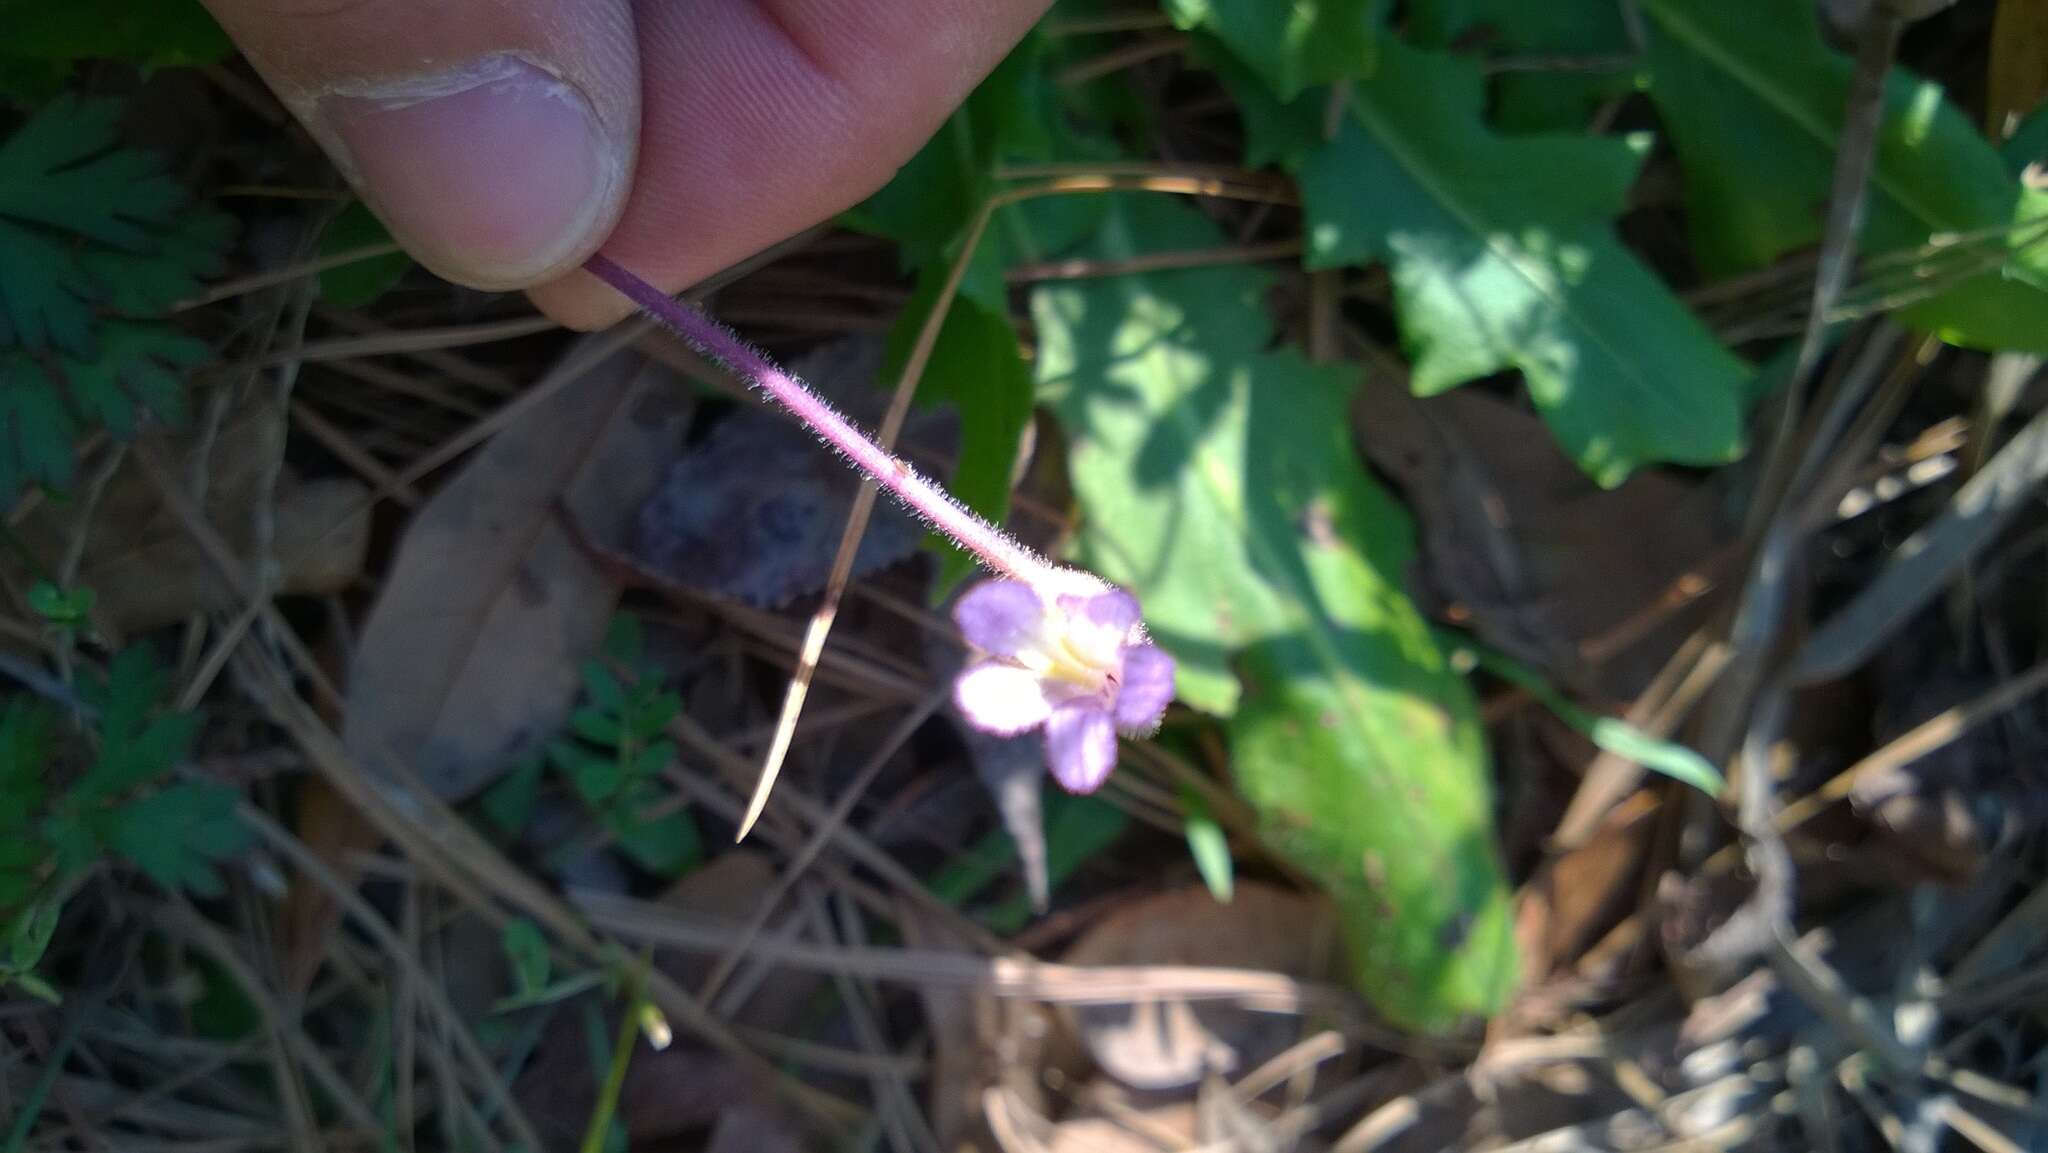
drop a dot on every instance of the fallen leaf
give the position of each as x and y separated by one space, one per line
713 524
144 569
1579 895
470 657
1168 1044
333 831
1546 564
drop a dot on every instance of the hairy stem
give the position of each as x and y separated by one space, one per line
922 496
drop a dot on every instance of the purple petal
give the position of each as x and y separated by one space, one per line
1001 699
1114 611
1080 746
999 617
1146 689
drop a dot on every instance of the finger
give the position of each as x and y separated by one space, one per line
494 137
763 117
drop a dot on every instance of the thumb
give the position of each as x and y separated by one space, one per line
495 138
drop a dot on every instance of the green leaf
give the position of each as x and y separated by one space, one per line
151 33
1612 734
603 688
2028 143
1739 82
625 641
1502 257
60 606
36 431
38 988
31 933
79 218
1218 482
527 950
666 846
138 742
1290 45
650 709
176 834
509 803
140 368
1548 100
1209 846
649 762
1276 131
597 726
359 282
596 776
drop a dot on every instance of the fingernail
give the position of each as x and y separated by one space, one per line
495 175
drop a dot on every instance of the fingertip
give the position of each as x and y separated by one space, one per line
580 301
495 174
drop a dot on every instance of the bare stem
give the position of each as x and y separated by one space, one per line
922 496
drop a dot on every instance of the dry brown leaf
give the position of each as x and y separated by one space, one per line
335 832
142 565
470 657
1577 897
1157 1045
1543 560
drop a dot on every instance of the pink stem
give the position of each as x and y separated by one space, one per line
923 497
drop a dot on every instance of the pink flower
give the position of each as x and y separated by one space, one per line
1077 665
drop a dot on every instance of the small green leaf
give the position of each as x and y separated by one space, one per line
509 803
176 834
84 221
527 950
1209 846
139 368
361 281
666 846
603 688
138 742
1738 82
1502 257
35 429
625 641
652 760
596 776
60 606
2028 144
597 726
1612 734
36 987
30 937
650 710
1290 45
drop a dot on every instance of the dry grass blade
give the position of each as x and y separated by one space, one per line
1003 976
821 835
857 524
1922 565
409 341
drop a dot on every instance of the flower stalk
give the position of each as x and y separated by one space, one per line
922 496
1057 650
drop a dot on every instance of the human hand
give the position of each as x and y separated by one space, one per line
504 141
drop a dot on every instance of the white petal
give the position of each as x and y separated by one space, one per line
1001 699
